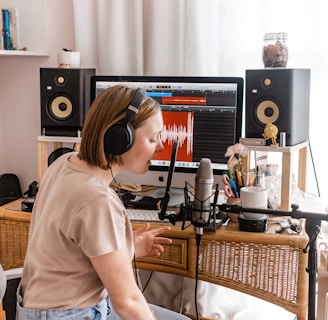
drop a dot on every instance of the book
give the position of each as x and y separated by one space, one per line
14 28
9 27
1 30
6 29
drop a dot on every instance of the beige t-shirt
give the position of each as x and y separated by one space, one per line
75 217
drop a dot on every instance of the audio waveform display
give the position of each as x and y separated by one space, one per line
177 126
184 100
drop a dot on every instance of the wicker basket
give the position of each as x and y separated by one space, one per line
14 228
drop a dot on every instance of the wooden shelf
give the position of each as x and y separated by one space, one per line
287 168
43 149
20 53
32 29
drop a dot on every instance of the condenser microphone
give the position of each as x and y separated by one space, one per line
203 192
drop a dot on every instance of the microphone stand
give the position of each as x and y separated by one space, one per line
212 212
312 227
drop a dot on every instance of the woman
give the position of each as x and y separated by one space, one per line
81 244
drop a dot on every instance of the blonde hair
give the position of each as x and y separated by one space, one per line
107 109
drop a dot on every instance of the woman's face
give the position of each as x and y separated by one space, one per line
146 144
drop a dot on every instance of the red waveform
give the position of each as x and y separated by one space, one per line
177 126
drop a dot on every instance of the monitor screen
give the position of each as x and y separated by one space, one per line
204 114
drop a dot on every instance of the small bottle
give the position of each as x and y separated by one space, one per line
275 51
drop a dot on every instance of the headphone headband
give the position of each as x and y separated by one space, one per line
134 106
119 137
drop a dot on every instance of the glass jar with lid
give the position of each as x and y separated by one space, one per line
275 51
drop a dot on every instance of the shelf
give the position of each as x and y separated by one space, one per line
61 139
287 170
287 149
32 31
43 149
21 53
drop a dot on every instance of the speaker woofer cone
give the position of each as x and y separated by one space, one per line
262 114
61 108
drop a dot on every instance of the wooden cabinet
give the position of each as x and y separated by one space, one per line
287 168
31 20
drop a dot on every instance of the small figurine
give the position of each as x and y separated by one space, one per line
271 132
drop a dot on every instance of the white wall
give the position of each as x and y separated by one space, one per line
20 95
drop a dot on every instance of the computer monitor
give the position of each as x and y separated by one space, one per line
203 113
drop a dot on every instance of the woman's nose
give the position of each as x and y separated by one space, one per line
160 146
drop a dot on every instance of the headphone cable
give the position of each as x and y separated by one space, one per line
134 257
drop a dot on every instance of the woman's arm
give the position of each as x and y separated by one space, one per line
116 273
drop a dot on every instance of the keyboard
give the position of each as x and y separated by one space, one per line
146 215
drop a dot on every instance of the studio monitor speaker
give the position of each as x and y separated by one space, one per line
65 100
281 97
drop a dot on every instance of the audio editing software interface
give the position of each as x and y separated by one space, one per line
202 120
202 116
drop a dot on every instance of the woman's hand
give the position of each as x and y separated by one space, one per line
147 243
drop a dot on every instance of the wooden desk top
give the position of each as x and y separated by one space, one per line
12 211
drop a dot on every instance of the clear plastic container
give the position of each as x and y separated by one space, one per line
275 51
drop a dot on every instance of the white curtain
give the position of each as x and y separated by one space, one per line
207 37
149 37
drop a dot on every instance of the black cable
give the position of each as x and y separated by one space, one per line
314 170
134 256
135 269
147 282
313 238
198 241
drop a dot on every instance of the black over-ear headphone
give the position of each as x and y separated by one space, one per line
119 137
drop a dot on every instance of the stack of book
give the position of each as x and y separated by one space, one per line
8 26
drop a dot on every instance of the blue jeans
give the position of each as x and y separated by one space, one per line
97 312
101 311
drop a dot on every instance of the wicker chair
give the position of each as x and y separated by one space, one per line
3 285
2 313
8 308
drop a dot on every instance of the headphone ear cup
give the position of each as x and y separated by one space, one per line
118 139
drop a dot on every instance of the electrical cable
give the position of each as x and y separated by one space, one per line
134 257
135 270
182 295
119 195
147 282
198 240
314 170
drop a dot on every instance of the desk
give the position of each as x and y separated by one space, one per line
268 266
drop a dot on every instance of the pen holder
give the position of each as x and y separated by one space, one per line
233 216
